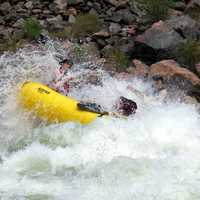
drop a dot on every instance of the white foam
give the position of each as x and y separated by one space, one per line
152 155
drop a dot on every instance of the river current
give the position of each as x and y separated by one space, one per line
153 155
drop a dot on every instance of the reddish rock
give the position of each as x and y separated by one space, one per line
123 76
170 68
103 34
140 69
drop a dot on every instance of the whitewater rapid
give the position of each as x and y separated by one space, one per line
153 155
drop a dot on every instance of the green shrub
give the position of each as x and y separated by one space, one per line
62 34
117 57
86 24
79 53
189 52
32 28
156 9
12 44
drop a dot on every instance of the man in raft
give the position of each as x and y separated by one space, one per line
60 83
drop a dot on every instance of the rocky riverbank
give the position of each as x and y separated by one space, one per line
145 38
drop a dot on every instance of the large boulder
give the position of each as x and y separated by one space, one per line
169 69
160 36
184 25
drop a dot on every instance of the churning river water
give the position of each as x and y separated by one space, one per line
153 155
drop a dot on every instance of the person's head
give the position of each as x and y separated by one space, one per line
126 106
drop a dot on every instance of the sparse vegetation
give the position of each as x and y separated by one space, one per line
79 53
12 44
156 9
65 33
189 52
86 24
32 28
119 59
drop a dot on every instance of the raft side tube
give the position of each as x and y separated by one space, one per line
51 106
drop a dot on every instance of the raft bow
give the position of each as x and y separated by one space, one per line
51 106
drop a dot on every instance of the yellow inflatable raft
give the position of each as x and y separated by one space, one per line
51 106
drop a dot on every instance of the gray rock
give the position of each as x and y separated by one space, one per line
110 11
74 2
126 45
72 19
97 6
114 28
90 4
36 11
139 12
128 18
19 23
18 34
29 5
93 12
121 16
5 33
179 5
55 23
184 25
42 23
19 6
47 12
5 7
116 17
160 36
118 3
101 42
11 17
21 10
2 21
37 4
193 9
61 4
113 40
